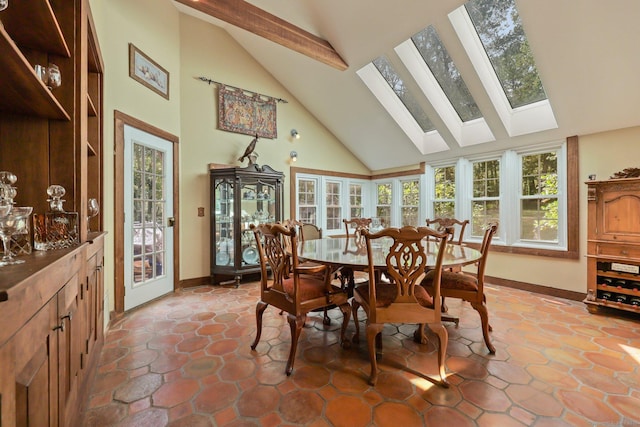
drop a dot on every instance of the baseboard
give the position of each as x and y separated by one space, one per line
539 289
197 281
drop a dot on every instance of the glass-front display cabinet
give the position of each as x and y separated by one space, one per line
240 196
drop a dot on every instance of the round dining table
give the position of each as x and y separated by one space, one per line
351 252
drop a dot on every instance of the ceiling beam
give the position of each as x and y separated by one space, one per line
251 18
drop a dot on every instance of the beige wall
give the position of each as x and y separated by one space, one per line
189 48
603 154
209 51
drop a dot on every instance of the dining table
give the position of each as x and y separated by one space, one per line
351 252
342 254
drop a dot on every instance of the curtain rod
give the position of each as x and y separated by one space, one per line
209 81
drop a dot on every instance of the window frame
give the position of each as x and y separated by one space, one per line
569 186
527 119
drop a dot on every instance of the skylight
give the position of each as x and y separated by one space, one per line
498 25
437 58
395 82
492 35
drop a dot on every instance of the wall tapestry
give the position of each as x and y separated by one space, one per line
249 114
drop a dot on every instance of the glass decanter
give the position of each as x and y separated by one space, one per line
55 229
21 239
12 220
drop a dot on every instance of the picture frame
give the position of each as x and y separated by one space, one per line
146 71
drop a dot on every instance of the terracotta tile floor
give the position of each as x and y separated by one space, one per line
185 360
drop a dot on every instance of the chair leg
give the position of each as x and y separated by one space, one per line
373 331
296 323
260 308
443 341
355 305
484 318
346 315
326 320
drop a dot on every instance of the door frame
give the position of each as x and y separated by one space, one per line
120 120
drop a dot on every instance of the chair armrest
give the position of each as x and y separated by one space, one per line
311 269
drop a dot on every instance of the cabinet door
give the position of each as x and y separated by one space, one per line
92 303
71 339
618 213
36 373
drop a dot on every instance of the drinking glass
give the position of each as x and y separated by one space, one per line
93 208
42 73
11 222
54 79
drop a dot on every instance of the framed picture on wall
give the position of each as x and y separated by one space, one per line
148 72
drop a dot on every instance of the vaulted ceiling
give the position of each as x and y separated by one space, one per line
586 51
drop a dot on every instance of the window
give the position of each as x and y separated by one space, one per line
356 209
383 203
539 198
307 201
409 209
485 199
333 208
493 37
387 71
498 25
446 73
445 192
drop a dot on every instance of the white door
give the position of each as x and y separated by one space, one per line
148 213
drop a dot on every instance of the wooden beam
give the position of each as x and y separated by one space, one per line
251 18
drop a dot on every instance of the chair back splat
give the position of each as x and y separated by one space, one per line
456 227
292 288
402 299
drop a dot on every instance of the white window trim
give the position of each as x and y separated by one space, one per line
467 133
523 120
427 143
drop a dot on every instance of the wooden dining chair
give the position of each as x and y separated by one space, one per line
348 276
356 224
296 295
310 231
469 287
402 300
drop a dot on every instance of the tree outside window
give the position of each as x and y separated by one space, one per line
444 205
539 200
485 202
307 205
355 201
383 204
410 202
333 206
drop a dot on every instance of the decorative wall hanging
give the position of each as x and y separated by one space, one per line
146 71
246 112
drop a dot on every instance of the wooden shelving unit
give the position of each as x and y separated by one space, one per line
613 245
52 306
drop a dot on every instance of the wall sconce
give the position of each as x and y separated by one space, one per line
295 134
294 156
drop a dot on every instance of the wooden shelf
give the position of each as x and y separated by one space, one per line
91 152
91 107
44 31
21 91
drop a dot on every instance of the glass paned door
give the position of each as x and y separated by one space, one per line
148 211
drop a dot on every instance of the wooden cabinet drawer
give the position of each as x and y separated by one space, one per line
618 251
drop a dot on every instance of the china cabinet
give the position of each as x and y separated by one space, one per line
241 197
613 245
52 304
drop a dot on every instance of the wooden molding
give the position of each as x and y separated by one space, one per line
244 15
